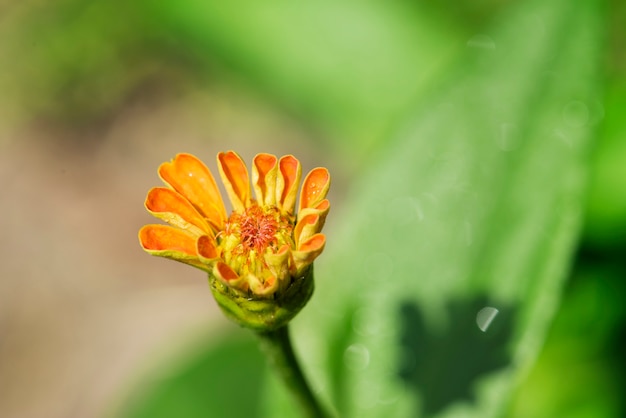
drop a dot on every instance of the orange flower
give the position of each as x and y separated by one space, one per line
264 245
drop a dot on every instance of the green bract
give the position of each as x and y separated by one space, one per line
263 314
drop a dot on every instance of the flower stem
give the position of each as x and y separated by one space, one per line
277 346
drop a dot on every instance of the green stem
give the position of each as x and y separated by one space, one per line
277 346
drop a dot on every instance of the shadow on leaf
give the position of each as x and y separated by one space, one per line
441 365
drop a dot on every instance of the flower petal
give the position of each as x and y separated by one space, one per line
166 241
306 227
193 180
163 237
235 178
287 183
264 170
278 263
265 288
308 251
170 206
228 276
314 188
321 210
206 248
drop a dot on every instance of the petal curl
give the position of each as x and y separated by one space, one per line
306 227
235 178
187 175
287 183
265 288
170 206
206 248
314 188
264 169
308 251
228 276
321 210
278 264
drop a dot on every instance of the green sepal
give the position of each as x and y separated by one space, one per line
263 314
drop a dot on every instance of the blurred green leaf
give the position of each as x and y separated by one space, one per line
475 202
606 205
580 342
352 65
222 380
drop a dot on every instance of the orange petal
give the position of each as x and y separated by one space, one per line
308 251
323 206
192 179
235 178
314 188
228 276
174 209
313 244
321 210
306 227
172 243
264 170
207 249
265 288
287 183
163 237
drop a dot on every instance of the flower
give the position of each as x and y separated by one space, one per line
263 252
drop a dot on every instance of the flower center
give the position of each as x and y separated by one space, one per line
249 237
255 230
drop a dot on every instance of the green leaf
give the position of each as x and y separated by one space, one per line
584 341
211 383
351 66
475 202
606 205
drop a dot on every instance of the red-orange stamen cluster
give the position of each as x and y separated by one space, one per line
257 229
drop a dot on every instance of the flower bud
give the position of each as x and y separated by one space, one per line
259 258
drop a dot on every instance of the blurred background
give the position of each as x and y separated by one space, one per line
96 94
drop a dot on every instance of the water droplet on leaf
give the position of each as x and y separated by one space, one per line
356 357
485 317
